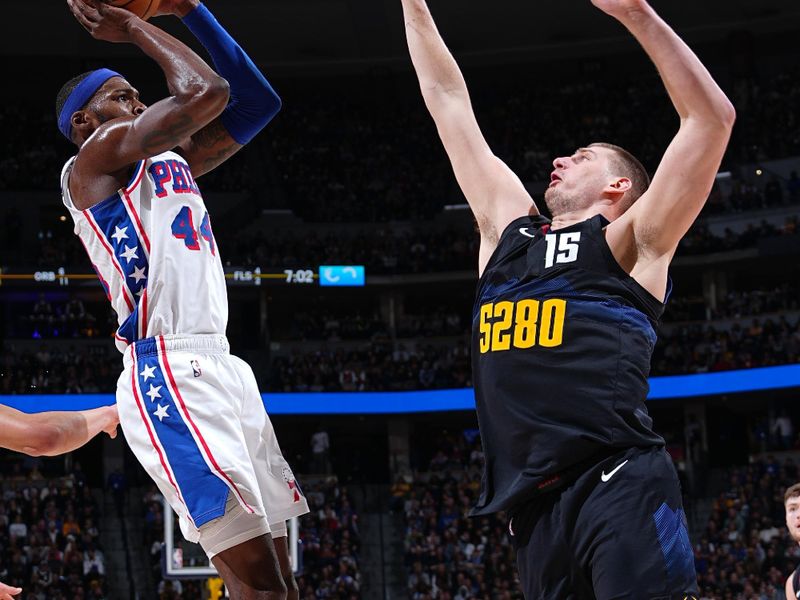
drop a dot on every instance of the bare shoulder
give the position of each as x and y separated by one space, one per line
621 239
93 154
647 268
93 179
789 587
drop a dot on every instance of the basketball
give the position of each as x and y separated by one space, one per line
144 9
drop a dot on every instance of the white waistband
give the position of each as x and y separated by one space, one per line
203 344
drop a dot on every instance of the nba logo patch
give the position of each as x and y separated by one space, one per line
196 368
288 477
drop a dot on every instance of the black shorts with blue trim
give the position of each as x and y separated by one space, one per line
617 532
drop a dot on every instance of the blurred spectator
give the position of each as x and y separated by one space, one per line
330 543
59 370
783 429
373 367
320 451
450 556
51 547
705 348
743 553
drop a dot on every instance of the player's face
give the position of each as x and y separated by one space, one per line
116 98
577 181
793 517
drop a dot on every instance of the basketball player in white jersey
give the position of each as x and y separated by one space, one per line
191 412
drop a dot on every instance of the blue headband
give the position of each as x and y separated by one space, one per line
82 93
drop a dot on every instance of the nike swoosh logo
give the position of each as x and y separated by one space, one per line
524 231
605 477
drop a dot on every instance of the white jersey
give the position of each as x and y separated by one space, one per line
152 247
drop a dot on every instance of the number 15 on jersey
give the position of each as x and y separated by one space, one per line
561 248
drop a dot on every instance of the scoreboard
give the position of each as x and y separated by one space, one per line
323 275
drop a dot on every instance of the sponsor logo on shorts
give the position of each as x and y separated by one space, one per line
549 482
196 368
288 477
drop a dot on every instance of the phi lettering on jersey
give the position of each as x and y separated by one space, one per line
174 173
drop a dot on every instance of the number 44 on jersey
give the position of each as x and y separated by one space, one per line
183 229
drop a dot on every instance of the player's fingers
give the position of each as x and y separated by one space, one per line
86 4
73 8
89 11
85 23
90 22
109 10
101 8
79 12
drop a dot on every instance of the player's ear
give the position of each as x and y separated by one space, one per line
79 118
617 187
83 124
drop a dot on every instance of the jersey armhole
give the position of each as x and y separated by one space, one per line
66 196
600 224
537 220
516 222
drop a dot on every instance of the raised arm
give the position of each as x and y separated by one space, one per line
54 433
253 103
683 180
198 94
495 194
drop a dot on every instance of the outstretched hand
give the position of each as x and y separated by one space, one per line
618 8
103 21
7 592
111 426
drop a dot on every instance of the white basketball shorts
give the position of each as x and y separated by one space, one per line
193 416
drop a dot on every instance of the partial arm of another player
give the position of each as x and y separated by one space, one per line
7 592
198 94
683 180
494 192
54 433
253 103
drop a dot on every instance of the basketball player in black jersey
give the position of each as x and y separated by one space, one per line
564 327
791 503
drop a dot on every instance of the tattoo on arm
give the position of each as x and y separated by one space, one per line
214 145
173 134
210 135
222 155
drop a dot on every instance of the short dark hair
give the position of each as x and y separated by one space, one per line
791 492
626 164
66 90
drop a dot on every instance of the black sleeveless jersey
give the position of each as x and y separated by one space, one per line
561 346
